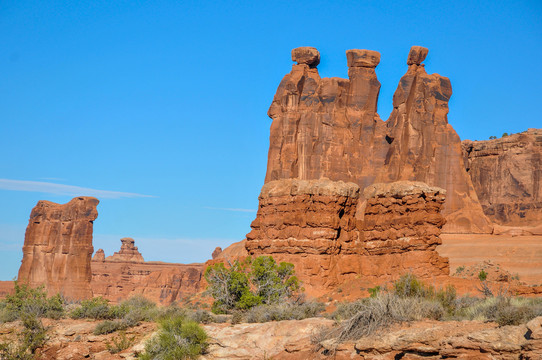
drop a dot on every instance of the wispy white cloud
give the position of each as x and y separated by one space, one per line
230 209
62 189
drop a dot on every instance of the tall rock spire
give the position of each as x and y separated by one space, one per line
424 147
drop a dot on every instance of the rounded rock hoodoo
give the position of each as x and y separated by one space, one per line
362 58
306 55
417 55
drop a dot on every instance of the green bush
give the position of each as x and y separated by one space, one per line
110 326
177 338
96 308
247 284
29 301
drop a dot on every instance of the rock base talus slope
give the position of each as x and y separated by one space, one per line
58 247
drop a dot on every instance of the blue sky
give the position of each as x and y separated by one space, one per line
159 108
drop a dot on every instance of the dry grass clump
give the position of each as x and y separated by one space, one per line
279 312
382 311
409 299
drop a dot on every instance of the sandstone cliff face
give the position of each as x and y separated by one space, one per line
125 274
58 247
507 175
424 147
332 234
305 217
329 128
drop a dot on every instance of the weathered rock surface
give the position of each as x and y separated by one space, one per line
453 339
125 274
329 128
290 339
507 176
58 247
99 255
128 252
424 147
331 234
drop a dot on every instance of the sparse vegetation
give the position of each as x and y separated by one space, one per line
120 343
410 299
250 283
278 312
29 301
177 338
32 337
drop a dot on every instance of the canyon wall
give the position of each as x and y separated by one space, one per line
58 247
332 233
329 128
507 175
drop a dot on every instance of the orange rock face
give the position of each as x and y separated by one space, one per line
332 234
507 175
58 247
329 127
128 252
126 274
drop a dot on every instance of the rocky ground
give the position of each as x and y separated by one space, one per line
294 339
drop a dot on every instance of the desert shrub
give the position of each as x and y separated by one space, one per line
346 310
110 326
278 312
30 301
177 338
380 312
272 282
32 337
409 286
96 308
250 283
503 310
120 343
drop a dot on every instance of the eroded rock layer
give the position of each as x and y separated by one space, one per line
332 234
329 128
160 282
126 274
58 247
305 217
507 175
128 252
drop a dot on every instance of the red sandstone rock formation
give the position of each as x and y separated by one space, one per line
126 274
216 252
58 247
424 147
332 235
507 175
99 255
128 252
329 127
163 283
